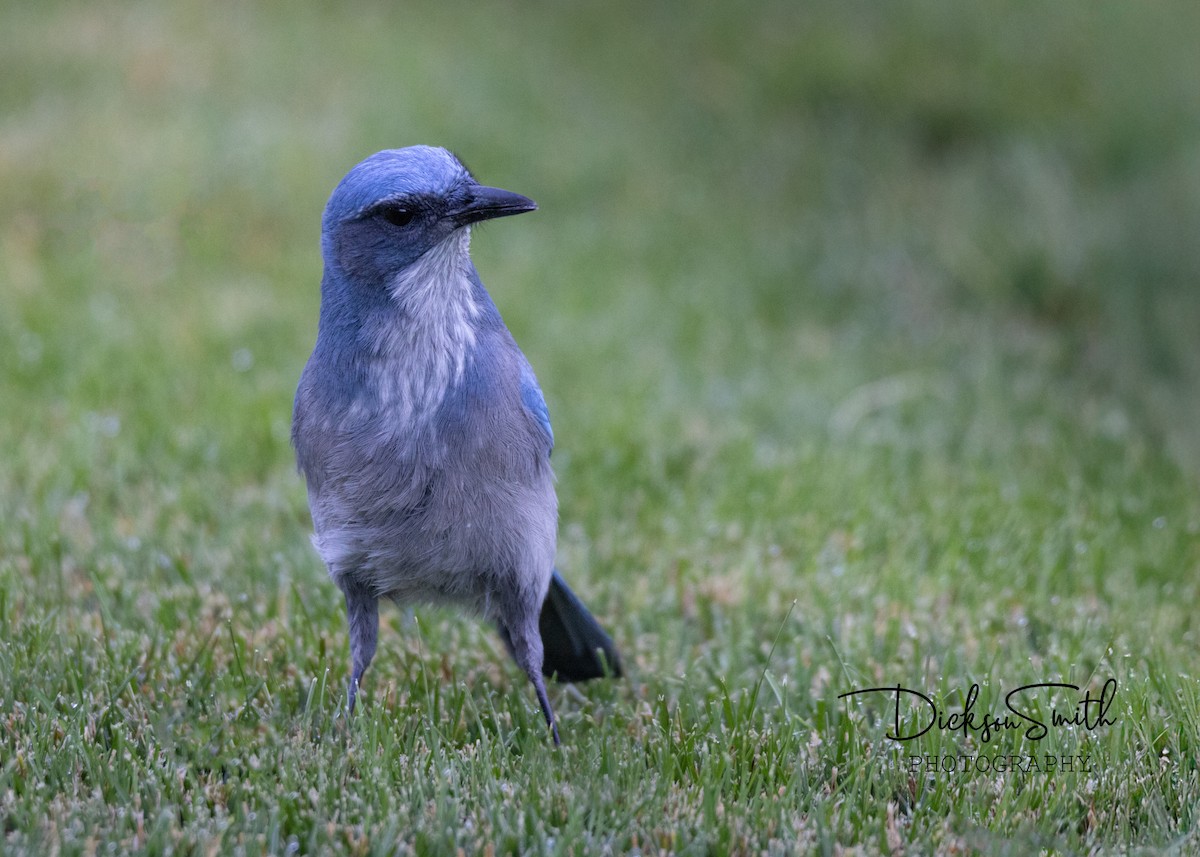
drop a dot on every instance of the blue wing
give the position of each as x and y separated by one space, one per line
535 403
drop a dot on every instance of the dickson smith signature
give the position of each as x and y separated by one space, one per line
1088 713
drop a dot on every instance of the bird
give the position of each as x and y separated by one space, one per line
421 431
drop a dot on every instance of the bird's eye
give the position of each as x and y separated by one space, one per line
397 215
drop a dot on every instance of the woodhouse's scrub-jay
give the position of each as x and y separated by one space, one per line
420 428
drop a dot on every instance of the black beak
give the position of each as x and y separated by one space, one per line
484 203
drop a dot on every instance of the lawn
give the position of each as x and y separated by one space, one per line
871 336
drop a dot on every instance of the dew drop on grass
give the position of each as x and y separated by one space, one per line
242 360
105 425
29 348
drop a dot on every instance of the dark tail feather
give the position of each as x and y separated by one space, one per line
576 647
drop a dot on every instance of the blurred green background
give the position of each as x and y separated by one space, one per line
796 198
889 308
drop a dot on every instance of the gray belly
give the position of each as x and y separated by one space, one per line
461 541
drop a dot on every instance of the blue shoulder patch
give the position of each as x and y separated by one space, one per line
534 402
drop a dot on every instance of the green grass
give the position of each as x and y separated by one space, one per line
870 337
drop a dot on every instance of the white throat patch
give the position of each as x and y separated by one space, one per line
424 351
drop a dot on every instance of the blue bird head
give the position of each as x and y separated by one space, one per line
399 204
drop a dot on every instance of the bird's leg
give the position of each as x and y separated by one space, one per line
362 611
525 642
